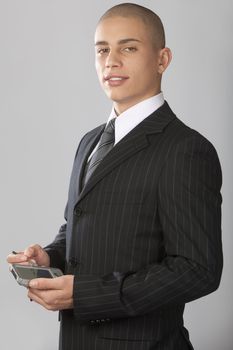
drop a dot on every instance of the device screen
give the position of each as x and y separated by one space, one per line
29 273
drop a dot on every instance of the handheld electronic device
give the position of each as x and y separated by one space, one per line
25 273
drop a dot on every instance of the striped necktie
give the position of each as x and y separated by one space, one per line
106 143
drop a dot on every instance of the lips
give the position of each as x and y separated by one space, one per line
115 80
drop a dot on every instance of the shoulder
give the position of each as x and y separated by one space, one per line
183 136
188 140
182 143
192 155
92 133
88 139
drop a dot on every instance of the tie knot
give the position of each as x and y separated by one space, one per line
110 127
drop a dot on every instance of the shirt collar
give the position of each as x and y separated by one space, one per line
130 118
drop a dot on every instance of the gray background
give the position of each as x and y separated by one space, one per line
50 96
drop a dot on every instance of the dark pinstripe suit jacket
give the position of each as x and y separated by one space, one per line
142 238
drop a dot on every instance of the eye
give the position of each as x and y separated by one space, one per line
102 50
130 49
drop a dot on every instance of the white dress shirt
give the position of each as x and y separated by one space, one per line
129 119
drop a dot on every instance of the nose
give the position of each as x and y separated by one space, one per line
112 60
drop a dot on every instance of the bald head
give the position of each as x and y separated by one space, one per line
150 19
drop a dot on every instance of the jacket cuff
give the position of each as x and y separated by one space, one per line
55 259
98 299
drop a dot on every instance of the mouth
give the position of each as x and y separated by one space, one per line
115 80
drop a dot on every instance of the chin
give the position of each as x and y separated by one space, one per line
116 96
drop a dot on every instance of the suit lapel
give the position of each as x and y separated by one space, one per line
132 143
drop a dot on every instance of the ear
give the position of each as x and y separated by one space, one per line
165 57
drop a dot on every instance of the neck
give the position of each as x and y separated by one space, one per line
120 107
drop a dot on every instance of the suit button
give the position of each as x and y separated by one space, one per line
78 211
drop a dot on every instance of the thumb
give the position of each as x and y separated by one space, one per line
45 283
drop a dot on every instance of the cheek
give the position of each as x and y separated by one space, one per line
100 65
144 66
99 70
148 72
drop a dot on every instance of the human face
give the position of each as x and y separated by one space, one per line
127 63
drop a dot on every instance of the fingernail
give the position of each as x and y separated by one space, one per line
32 284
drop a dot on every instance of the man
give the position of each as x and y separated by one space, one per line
143 230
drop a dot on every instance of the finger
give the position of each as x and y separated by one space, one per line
52 300
34 295
46 283
16 258
20 258
32 251
37 255
49 299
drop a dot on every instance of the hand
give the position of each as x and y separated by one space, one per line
33 254
53 294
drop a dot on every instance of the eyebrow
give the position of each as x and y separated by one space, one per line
120 42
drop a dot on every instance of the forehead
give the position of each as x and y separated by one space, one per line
115 29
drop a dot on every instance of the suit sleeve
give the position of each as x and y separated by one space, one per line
189 209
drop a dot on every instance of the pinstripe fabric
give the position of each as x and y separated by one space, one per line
142 238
